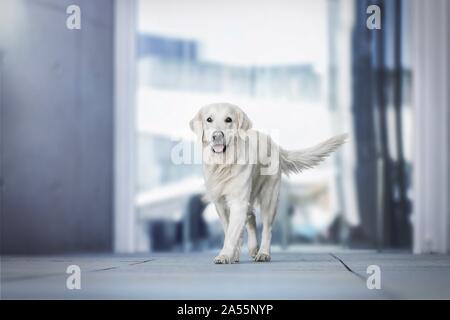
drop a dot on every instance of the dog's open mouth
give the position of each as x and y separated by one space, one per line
218 148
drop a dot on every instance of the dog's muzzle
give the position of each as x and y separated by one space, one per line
218 142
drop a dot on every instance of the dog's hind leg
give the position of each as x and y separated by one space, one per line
237 252
252 240
268 211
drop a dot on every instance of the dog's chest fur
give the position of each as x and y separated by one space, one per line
224 180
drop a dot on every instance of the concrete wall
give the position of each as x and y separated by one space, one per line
56 126
432 126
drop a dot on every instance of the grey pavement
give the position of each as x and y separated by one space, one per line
336 274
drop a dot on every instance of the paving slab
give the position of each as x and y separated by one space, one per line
405 276
290 275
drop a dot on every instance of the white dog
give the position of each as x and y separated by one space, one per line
243 168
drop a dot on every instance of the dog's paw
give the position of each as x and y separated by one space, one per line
222 259
253 251
236 255
262 257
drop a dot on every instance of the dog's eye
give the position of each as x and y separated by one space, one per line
228 119
209 119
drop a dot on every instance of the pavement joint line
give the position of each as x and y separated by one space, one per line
30 277
117 267
390 294
140 262
105 269
347 267
50 275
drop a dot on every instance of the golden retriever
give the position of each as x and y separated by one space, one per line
242 168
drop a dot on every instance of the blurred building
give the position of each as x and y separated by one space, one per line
382 111
57 127
89 118
176 64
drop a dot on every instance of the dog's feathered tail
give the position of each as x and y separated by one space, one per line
299 160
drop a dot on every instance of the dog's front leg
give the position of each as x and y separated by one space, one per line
223 213
238 216
224 216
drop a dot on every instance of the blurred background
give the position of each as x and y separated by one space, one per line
90 119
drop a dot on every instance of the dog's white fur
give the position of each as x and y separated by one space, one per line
235 184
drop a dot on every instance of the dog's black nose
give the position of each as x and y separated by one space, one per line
217 135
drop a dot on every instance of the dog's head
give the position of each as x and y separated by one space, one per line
217 125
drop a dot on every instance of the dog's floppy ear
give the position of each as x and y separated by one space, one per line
196 125
244 122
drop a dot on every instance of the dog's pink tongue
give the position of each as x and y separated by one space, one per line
218 147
